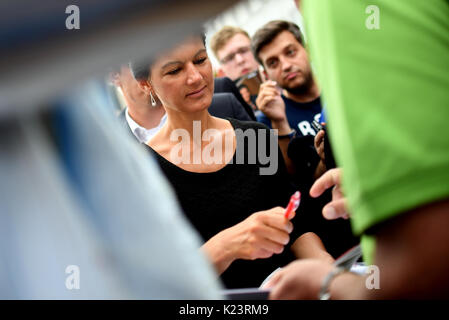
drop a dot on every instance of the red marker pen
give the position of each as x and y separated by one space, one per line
293 204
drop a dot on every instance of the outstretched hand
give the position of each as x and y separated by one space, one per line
337 208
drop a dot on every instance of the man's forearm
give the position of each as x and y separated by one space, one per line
412 253
319 170
412 256
349 286
284 129
310 246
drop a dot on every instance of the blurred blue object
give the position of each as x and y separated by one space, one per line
77 193
323 117
76 190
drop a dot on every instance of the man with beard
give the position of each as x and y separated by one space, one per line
290 99
290 102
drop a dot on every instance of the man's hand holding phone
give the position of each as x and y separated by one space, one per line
319 139
252 81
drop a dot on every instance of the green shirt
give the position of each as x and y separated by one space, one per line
386 93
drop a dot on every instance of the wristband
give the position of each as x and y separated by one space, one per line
290 135
324 291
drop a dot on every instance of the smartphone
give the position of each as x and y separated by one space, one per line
317 126
252 81
329 160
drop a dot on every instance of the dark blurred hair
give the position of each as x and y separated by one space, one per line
141 70
243 86
269 31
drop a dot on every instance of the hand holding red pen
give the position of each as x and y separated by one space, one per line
259 236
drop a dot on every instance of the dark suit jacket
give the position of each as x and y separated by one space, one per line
225 84
224 105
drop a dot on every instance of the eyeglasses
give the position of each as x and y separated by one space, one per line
230 57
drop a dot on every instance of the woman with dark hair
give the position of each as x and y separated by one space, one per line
229 187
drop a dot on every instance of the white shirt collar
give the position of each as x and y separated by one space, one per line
143 134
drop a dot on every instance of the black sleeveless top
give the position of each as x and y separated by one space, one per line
219 200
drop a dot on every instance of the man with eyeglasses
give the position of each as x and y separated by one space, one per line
232 47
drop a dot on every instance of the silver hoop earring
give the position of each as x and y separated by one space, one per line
153 102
